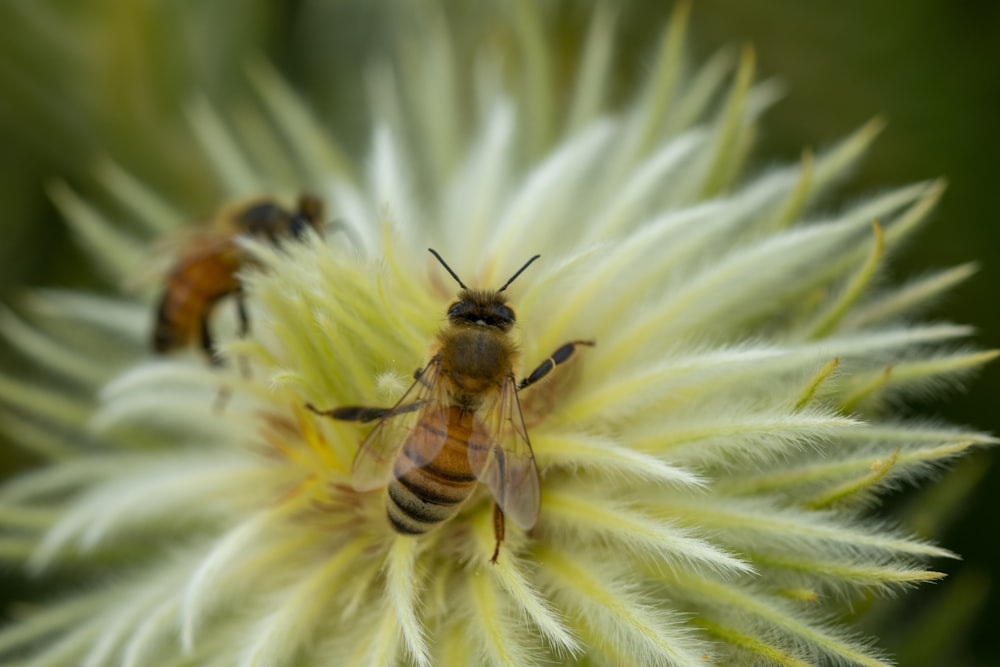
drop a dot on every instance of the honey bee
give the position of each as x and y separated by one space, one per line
206 270
468 427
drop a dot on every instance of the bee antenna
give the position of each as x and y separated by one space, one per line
453 274
519 272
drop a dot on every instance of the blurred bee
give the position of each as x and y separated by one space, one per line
468 426
206 270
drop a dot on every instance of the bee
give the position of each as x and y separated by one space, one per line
206 270
468 427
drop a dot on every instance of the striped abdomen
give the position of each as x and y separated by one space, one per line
432 491
193 287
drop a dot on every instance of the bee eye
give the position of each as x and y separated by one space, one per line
501 314
297 226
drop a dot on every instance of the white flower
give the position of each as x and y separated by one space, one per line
704 467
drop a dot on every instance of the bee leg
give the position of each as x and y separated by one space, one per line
244 322
241 312
208 346
363 414
419 374
207 343
499 526
498 531
557 357
221 400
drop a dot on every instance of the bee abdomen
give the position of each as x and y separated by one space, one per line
419 500
174 324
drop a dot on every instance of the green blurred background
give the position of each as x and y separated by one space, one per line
81 79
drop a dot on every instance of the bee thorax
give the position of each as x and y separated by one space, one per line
475 360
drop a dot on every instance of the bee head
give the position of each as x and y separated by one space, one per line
309 214
483 308
268 219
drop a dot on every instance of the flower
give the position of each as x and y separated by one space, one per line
706 467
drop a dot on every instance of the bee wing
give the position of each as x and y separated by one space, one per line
163 255
378 459
508 467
